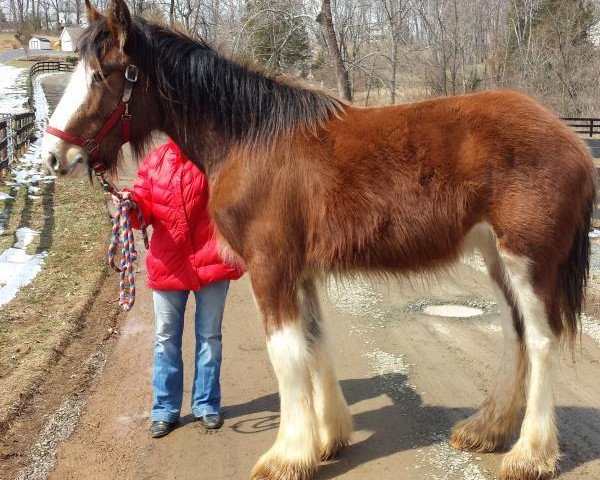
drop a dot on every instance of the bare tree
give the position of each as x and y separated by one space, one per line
326 21
386 51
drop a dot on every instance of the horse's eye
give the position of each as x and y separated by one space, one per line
97 77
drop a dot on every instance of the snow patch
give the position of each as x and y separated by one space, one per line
13 89
4 196
30 169
17 269
25 236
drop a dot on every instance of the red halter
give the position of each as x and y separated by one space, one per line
121 112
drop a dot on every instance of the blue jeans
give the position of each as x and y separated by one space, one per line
167 381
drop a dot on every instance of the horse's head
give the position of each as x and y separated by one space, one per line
105 104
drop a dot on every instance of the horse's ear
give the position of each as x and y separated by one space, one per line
92 13
119 21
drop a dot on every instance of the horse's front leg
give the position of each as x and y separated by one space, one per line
295 454
333 414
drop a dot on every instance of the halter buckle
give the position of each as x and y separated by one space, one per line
131 73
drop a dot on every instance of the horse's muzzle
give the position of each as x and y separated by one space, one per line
66 166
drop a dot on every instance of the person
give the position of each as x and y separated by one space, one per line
172 195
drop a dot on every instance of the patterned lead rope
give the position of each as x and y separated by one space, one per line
122 234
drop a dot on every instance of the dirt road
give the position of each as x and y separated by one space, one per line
408 377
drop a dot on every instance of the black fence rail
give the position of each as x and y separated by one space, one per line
4 160
23 131
586 126
47 66
16 133
51 66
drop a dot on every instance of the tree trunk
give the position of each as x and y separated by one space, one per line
394 70
326 21
78 11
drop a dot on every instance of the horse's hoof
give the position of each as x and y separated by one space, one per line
333 449
271 467
519 464
474 435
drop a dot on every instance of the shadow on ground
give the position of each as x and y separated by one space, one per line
408 423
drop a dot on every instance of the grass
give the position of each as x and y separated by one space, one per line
12 207
8 42
37 324
20 63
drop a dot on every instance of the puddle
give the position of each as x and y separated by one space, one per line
453 311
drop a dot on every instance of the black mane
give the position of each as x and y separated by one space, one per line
197 84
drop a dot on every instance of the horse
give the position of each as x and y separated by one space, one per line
304 185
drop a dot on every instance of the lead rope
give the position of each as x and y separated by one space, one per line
122 234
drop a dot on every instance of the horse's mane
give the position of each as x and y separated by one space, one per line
196 83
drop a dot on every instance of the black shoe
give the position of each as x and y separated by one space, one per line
161 428
212 421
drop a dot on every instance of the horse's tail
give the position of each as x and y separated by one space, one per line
574 272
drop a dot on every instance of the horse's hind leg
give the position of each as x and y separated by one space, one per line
535 454
333 415
295 453
493 425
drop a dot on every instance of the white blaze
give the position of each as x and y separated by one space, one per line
73 97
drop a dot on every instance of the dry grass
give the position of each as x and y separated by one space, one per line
12 208
8 42
20 63
381 97
38 323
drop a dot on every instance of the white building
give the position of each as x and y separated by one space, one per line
69 38
39 43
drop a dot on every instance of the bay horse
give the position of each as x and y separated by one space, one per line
304 185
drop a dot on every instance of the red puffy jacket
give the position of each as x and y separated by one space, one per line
172 194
